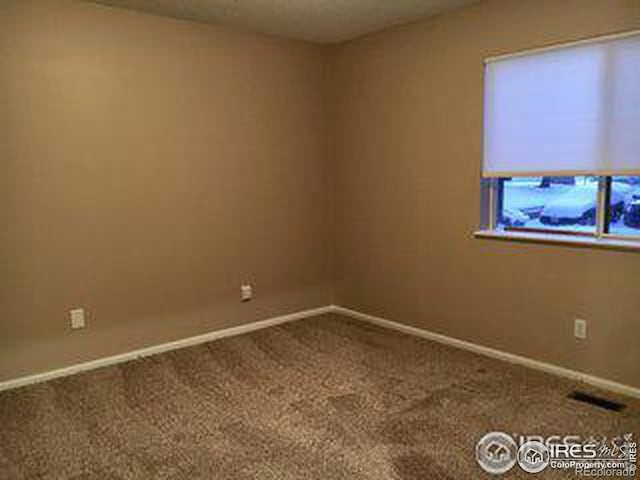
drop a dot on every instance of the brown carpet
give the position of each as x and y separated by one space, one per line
323 398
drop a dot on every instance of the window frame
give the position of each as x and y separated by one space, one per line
491 229
488 197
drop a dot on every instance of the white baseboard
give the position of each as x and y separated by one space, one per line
250 327
493 353
165 347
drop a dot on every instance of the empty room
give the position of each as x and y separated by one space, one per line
320 239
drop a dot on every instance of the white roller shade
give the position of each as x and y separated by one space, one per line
571 110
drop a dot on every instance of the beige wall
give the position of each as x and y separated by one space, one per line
148 166
407 111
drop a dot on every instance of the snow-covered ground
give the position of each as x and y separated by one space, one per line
619 228
526 201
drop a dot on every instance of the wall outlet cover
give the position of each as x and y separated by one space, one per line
77 318
580 328
246 292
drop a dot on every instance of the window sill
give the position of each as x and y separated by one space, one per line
559 239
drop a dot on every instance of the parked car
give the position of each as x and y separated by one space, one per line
632 211
578 206
513 218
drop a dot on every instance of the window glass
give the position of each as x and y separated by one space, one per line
624 206
549 203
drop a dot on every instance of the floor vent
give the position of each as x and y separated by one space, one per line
597 401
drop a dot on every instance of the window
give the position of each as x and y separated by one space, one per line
562 140
549 203
624 207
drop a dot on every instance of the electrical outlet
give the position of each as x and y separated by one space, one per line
246 292
580 328
77 318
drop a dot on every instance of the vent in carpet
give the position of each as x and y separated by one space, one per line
597 401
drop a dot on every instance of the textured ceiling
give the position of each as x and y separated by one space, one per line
321 21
